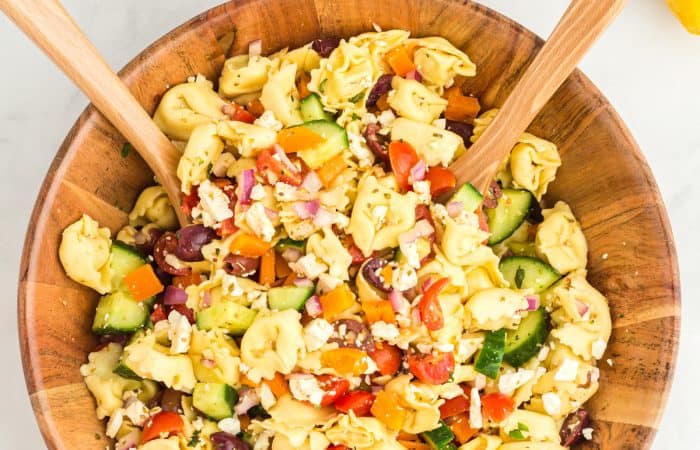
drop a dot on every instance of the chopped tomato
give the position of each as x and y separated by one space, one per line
432 368
190 200
429 306
267 163
338 447
256 108
441 180
165 422
387 358
360 402
335 387
184 310
158 313
497 406
402 157
227 228
183 281
454 406
238 113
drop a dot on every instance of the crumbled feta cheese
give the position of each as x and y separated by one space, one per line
259 222
424 348
385 331
451 390
230 425
259 301
258 192
510 381
267 398
567 371
229 284
444 347
368 118
598 348
308 266
115 423
136 411
358 147
198 424
213 206
269 121
422 190
587 433
371 367
439 211
179 332
316 334
305 387
285 192
542 355
404 277
475 419
327 283
386 118
410 251
551 403
467 347
379 215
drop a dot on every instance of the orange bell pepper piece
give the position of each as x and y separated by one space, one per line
267 268
331 169
298 138
193 278
278 385
143 283
400 61
461 429
387 410
378 310
383 102
414 445
303 85
345 360
336 301
460 107
248 245
245 381
282 269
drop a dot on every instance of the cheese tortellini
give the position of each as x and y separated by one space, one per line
203 148
414 101
245 75
85 254
438 61
496 308
248 139
433 144
378 44
220 353
153 206
280 95
419 400
362 433
533 164
560 240
294 420
332 253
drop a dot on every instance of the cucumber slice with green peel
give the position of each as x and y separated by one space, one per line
510 213
522 248
525 341
524 272
125 259
312 109
216 400
423 246
468 196
119 313
335 140
286 243
489 359
125 372
440 438
289 297
232 317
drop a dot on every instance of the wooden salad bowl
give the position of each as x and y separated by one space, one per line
604 178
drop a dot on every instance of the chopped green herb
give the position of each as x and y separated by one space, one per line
322 86
519 277
516 434
210 167
195 440
355 116
126 148
522 427
357 98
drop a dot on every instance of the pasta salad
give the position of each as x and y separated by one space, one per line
336 289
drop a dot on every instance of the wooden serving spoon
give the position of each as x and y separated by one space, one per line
580 26
48 24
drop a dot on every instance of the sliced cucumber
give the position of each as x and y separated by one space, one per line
335 140
522 248
119 312
216 400
440 438
423 246
525 341
286 243
524 272
125 259
232 317
509 214
469 196
489 359
312 109
289 297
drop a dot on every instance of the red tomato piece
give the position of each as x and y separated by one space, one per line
164 422
190 200
360 402
441 180
227 228
338 447
432 368
454 406
387 358
497 406
429 306
268 163
158 313
237 112
335 388
402 157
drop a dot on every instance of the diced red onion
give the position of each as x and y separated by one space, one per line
424 228
271 214
255 48
417 172
284 159
206 300
226 441
582 308
323 217
306 210
246 400
291 254
398 303
313 306
312 183
303 282
246 187
174 296
454 209
533 302
414 75
376 389
208 363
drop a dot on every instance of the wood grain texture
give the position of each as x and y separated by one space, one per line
604 178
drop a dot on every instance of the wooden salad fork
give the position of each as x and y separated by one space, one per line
48 24
582 23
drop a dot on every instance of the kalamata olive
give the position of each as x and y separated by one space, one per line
572 429
325 46
227 441
170 400
381 87
464 130
167 245
369 271
241 265
145 240
493 193
190 241
354 334
376 142
107 339
534 214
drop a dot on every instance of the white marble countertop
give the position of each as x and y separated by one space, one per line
646 65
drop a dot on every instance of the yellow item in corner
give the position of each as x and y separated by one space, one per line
688 12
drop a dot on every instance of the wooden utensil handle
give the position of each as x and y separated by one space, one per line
579 27
48 24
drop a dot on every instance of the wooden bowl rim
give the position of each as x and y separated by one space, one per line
87 118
